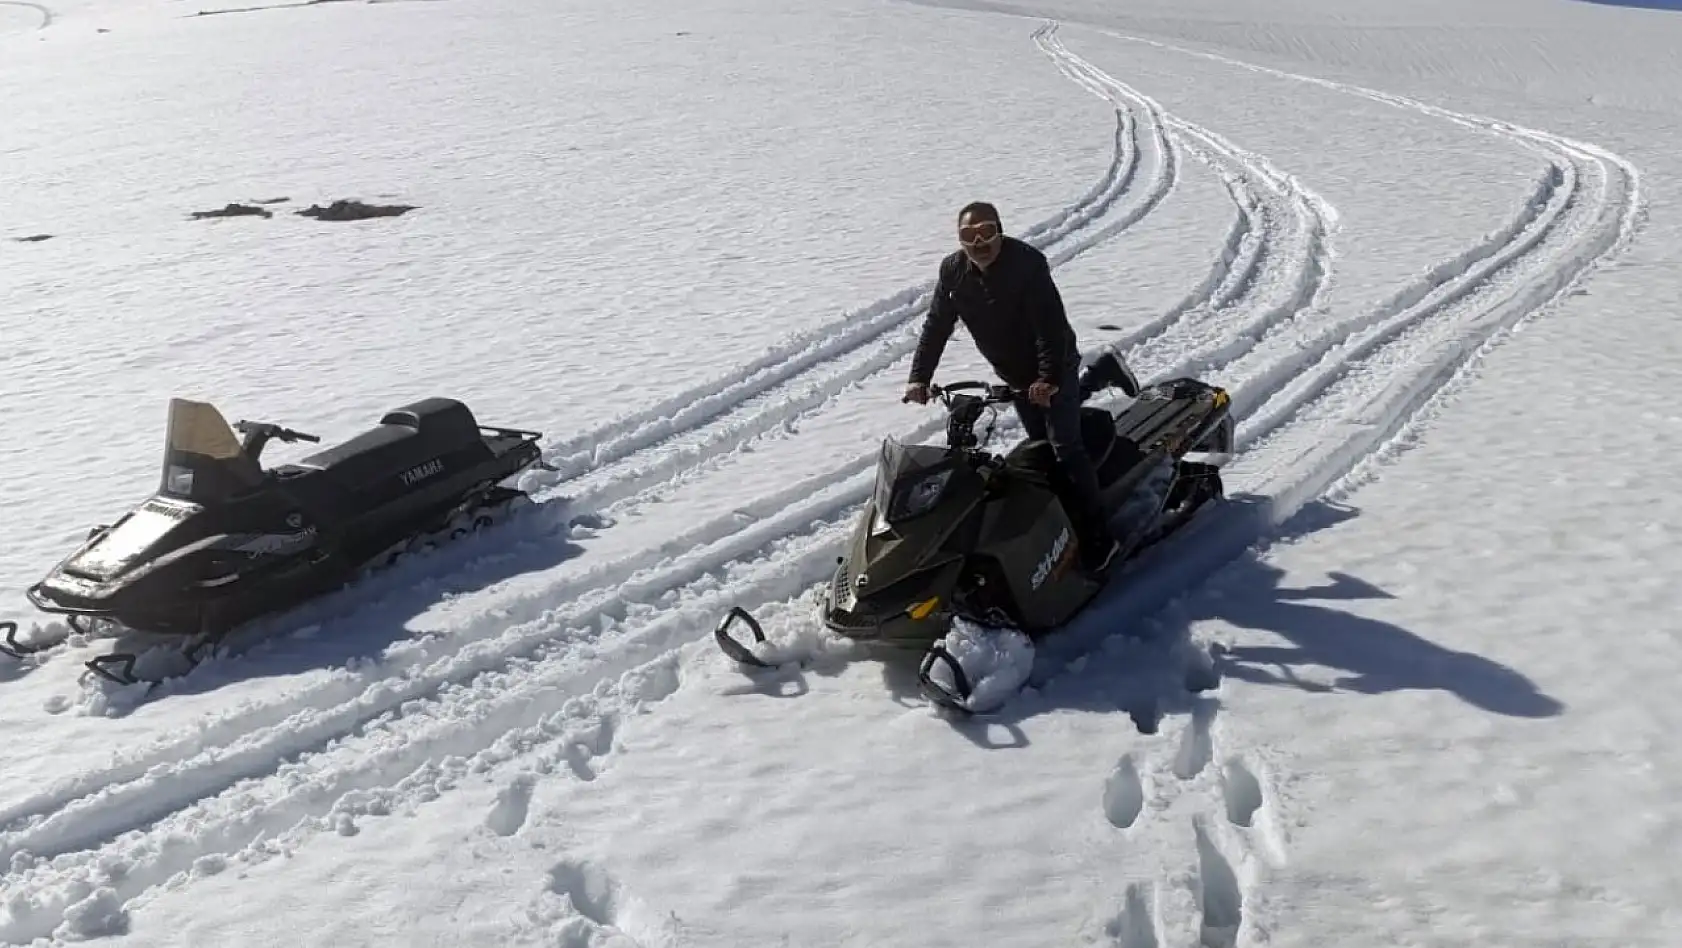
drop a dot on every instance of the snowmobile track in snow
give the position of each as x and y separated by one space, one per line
712 421
629 460
402 744
536 686
1317 401
1273 268
614 461
199 788
1319 412
145 834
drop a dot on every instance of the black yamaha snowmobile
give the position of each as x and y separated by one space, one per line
956 532
224 541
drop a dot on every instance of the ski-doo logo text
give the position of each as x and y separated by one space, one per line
1042 571
415 475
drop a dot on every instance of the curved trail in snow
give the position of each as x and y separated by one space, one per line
549 690
629 457
634 457
369 742
496 679
1321 408
45 12
1274 268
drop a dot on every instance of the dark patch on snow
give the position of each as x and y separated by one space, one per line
1146 714
346 210
1202 671
233 210
33 238
1373 656
1640 4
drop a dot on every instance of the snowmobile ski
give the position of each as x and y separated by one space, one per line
735 649
953 699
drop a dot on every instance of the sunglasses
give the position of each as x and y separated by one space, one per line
975 235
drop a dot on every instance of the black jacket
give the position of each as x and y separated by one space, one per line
1012 310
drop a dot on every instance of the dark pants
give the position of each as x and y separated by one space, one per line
1060 425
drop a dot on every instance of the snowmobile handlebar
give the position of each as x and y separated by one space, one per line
993 393
274 432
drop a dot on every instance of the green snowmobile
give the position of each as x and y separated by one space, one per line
957 532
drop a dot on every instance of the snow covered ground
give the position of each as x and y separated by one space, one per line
1429 249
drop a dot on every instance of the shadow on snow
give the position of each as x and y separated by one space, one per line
1162 670
1639 4
360 622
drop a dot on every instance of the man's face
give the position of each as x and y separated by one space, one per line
980 237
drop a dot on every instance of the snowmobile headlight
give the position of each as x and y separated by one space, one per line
916 497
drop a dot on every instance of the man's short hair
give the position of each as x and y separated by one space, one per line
981 209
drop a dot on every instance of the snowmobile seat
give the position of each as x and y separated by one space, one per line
442 418
404 438
1036 461
1097 433
1112 454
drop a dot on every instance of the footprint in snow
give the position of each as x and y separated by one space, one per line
1219 892
595 911
1135 925
512 806
1124 793
1241 790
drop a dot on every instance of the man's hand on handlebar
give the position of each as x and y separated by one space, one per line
991 394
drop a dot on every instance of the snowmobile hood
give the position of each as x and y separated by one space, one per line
158 525
922 493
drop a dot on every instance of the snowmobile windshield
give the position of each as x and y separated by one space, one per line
198 428
910 480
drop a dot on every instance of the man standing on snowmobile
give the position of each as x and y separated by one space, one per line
1002 290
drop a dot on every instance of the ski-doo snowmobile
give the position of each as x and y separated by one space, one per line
956 531
224 541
